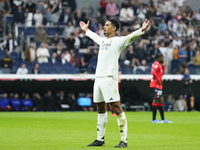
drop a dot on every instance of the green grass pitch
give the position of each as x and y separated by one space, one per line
74 130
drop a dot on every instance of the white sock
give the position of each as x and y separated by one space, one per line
122 123
101 126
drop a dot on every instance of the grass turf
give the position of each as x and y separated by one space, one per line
74 130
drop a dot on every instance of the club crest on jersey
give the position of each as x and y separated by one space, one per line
111 41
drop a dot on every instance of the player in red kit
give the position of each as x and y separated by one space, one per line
156 84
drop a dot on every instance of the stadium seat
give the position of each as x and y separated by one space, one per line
74 70
127 70
139 71
148 71
191 68
174 66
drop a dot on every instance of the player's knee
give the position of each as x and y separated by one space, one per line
101 109
116 110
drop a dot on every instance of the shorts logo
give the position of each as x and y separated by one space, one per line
111 99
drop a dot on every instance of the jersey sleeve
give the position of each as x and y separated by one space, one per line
127 40
94 36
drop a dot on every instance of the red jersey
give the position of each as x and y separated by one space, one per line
157 71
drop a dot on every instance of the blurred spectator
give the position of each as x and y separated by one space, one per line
62 102
190 53
152 28
68 30
162 26
16 103
48 14
63 60
61 44
54 58
5 102
55 18
40 6
153 52
38 17
66 16
30 53
28 18
40 34
179 16
70 42
196 59
103 4
125 32
86 58
182 54
125 4
143 66
111 9
74 59
73 102
16 4
5 7
132 56
180 104
58 51
181 29
100 18
31 6
176 41
67 56
182 67
77 40
141 14
84 40
136 26
173 24
190 31
50 102
47 39
126 16
161 8
22 69
174 9
42 54
38 102
7 61
141 54
28 103
55 39
10 44
169 103
36 69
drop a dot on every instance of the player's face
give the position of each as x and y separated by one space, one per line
108 28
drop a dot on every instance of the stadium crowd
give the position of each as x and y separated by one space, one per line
64 49
50 101
173 31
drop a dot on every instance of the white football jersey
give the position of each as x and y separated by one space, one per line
109 52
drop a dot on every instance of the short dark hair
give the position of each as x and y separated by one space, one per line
115 23
158 55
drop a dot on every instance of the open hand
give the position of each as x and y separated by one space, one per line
84 26
145 25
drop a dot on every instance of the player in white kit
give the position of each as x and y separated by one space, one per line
106 76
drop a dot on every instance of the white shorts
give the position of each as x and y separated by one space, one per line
106 89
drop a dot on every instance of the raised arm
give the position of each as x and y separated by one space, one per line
131 37
89 33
